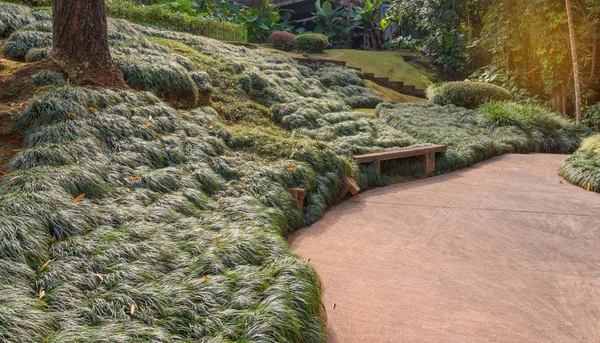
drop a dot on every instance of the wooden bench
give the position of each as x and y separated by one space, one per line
426 153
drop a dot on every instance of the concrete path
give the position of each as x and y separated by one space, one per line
504 251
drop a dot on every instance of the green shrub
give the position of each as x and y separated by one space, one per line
358 97
163 16
583 167
311 42
36 54
466 94
591 116
282 40
48 78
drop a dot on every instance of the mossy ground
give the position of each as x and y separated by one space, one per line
126 219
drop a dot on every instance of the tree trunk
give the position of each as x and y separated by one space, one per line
80 45
575 65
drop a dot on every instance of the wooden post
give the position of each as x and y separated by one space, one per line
428 163
350 186
299 194
377 167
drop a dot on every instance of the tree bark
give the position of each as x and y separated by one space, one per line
80 44
575 63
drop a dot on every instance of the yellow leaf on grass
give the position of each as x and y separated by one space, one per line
93 109
205 277
132 309
42 293
290 169
52 239
9 174
148 124
72 114
79 197
217 240
135 178
45 265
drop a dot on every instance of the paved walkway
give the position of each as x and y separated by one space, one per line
501 252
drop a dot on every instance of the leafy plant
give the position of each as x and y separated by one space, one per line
368 17
591 116
312 42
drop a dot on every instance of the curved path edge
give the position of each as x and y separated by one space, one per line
504 251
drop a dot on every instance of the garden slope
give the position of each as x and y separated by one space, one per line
124 219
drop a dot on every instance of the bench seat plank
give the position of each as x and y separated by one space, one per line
401 153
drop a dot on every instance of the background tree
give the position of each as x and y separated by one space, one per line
80 45
575 63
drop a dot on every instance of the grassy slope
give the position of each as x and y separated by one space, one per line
398 66
179 236
385 63
583 167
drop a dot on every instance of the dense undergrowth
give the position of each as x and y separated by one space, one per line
583 167
124 219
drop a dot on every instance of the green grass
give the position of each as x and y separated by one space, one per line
583 167
392 64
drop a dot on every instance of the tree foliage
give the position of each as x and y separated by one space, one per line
523 42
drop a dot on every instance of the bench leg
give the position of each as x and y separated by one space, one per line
428 163
299 194
377 167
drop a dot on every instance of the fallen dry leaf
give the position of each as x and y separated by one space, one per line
135 178
79 197
132 310
93 109
52 239
42 293
333 307
72 114
148 124
45 265
100 276
290 169
217 240
205 277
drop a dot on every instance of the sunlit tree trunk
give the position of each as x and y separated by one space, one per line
80 45
575 64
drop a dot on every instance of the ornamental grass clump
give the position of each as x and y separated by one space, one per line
36 54
583 167
48 78
466 94
13 17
